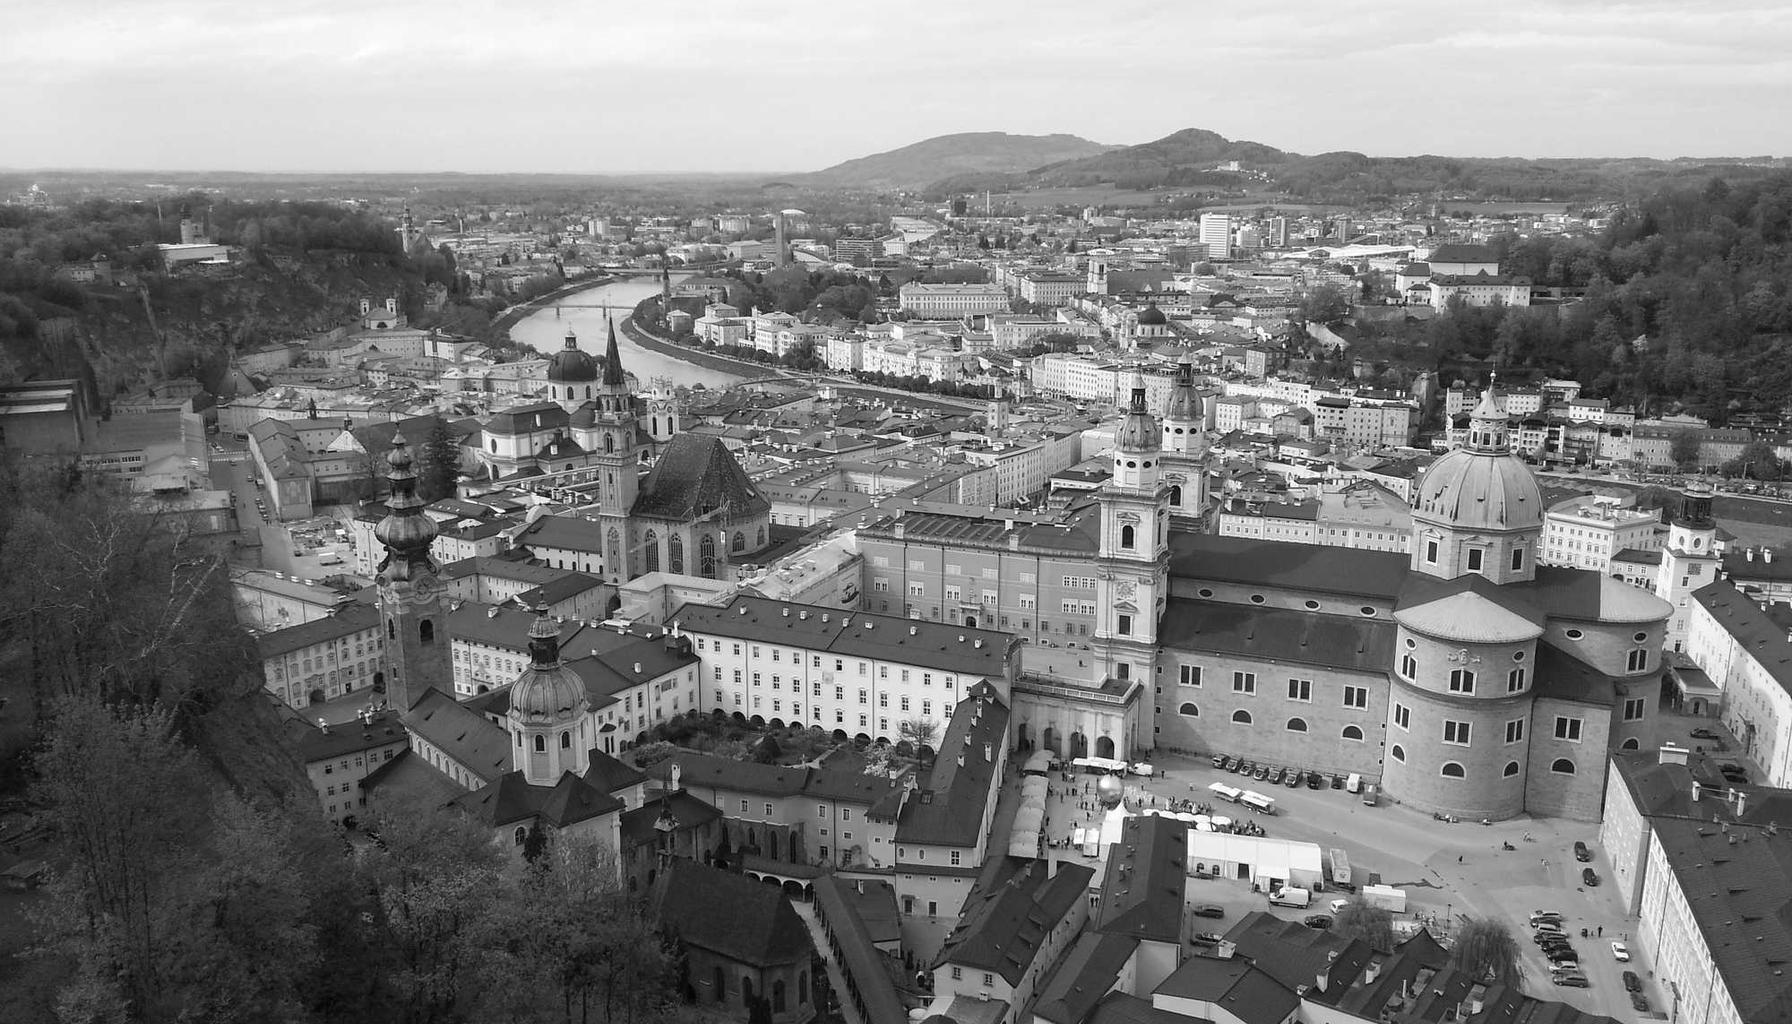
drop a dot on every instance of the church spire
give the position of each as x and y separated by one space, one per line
613 361
405 531
544 639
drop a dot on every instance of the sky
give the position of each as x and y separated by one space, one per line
622 86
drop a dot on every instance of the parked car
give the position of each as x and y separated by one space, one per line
1572 980
1581 853
1245 768
1542 916
1262 773
1640 1002
1321 921
1704 734
1632 983
1620 952
1590 877
1337 782
1219 760
1315 780
1205 939
1562 955
1295 779
1231 764
1550 927
1208 910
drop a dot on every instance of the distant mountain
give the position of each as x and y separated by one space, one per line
967 153
1184 158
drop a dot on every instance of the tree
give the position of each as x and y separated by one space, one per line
1325 304
919 731
438 464
1358 919
1684 449
1486 949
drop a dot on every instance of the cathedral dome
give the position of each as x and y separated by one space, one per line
1482 485
570 365
547 690
1153 317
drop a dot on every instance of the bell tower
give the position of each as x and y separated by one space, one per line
616 455
1691 559
1133 561
416 637
1185 447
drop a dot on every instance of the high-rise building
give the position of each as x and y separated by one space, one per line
1216 235
1278 232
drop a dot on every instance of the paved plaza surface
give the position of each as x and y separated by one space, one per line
1449 871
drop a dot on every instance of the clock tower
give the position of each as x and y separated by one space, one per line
1133 564
416 637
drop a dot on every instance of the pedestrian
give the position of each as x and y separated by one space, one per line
1602 931
1459 858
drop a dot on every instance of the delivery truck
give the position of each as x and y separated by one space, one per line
1290 896
1341 869
1385 896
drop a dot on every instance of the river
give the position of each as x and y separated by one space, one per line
546 330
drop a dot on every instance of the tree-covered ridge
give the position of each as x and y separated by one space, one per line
1684 301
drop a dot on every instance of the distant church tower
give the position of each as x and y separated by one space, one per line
1098 277
547 715
1133 562
416 656
1690 561
1185 448
408 235
618 462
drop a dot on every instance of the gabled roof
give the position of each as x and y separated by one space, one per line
611 775
641 824
511 799
1142 894
1279 634
963 650
1562 676
760 928
1014 907
461 733
1089 971
696 476
1313 567
345 622
565 533
948 809
1243 989
1470 608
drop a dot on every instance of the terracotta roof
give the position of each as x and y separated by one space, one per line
1310 567
760 928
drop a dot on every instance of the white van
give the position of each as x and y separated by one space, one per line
1225 792
1288 896
1353 784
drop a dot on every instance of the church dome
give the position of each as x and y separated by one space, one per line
1482 485
570 365
404 529
546 691
1153 317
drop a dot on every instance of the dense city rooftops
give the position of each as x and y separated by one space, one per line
961 649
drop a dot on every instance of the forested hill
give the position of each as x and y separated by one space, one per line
306 267
916 165
1193 158
1688 305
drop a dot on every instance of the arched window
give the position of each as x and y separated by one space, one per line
761 538
541 744
802 988
1515 680
1241 717
426 631
1188 708
706 557
1398 753
566 741
391 629
615 560
674 553
721 983
1351 732
1562 766
1462 680
1297 725
1629 744
740 541
609 443
777 997
521 835
1452 770
1127 536
1409 666
1175 495
650 550
1510 770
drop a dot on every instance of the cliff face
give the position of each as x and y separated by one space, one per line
192 321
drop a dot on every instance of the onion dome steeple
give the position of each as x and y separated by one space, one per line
1487 430
405 532
1137 430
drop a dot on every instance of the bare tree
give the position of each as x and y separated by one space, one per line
1486 949
919 731
1358 919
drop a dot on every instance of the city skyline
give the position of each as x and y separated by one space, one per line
322 86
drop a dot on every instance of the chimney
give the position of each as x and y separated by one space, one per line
1749 554
1741 799
1319 981
1696 790
988 752
1372 972
1225 949
961 760
1671 754
637 668
1766 554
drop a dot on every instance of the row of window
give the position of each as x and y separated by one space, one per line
1475 557
1453 770
1300 690
1242 717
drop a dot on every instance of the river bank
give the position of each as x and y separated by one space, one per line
509 318
695 356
